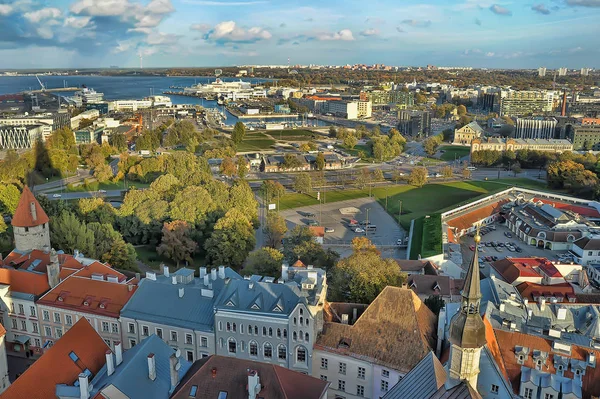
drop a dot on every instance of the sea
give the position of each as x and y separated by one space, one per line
131 88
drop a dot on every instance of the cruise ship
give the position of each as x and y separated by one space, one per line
218 87
85 96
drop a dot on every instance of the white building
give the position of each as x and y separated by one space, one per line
90 114
20 137
129 105
4 380
541 72
562 71
536 128
586 250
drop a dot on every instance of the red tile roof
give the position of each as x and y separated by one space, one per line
41 260
579 209
513 268
102 297
318 231
529 290
24 281
467 220
56 367
549 269
23 216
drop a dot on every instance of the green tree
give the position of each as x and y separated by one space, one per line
122 255
176 243
239 131
296 237
119 141
447 134
420 98
192 204
351 281
68 233
447 172
466 173
9 199
418 176
274 229
461 110
231 240
320 161
435 303
166 186
431 144
516 168
378 175
303 183
271 189
332 131
95 210
264 262
242 167
350 141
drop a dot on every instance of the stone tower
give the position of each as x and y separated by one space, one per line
53 269
30 224
467 331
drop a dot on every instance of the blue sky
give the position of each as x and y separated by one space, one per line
479 33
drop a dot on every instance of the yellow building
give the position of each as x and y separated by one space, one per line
466 134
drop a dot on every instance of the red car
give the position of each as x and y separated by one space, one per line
472 247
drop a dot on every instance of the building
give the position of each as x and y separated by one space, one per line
586 250
586 137
282 109
526 102
365 109
228 378
365 359
88 135
129 105
30 224
95 292
414 123
536 128
466 134
48 122
541 72
562 71
402 99
4 380
426 285
499 144
585 71
79 355
343 109
20 137
90 115
287 162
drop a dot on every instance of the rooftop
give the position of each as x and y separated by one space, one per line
26 282
29 213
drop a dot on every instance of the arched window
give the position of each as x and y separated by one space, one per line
281 352
278 333
300 335
220 326
234 327
255 330
264 331
301 354
270 332
228 326
306 337
268 351
241 328
294 336
249 329
253 348
285 333
301 311
294 321
306 322
231 345
301 320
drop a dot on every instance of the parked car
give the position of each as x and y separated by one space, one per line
492 227
371 227
488 244
329 230
507 234
101 191
494 258
56 196
488 258
310 215
313 223
500 244
518 249
359 230
499 249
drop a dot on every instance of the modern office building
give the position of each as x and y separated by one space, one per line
90 114
562 71
525 102
586 138
541 72
48 122
403 99
20 137
536 128
414 123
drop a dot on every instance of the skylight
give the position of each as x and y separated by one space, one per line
193 391
73 356
222 395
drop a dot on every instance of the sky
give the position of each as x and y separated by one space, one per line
188 33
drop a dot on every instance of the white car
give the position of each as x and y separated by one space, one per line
329 230
101 191
359 230
56 196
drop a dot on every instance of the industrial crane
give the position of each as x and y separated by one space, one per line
41 84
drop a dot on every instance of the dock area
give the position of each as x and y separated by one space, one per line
58 89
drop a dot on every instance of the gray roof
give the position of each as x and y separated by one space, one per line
422 382
475 126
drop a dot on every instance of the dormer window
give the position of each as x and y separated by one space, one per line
102 305
60 299
86 303
577 371
538 364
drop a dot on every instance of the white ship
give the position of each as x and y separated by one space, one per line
85 96
218 87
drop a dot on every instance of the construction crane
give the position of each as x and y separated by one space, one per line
40 82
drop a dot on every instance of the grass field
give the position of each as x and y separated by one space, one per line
255 142
361 147
452 152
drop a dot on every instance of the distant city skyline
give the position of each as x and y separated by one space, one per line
184 33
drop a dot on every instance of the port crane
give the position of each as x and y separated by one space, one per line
41 84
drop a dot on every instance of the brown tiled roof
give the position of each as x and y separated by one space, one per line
423 284
412 265
102 297
56 367
493 347
513 268
23 216
527 290
507 341
335 310
397 330
214 374
579 209
467 220
24 281
40 260
588 243
318 231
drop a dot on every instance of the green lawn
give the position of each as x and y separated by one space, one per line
452 152
360 147
417 239
255 142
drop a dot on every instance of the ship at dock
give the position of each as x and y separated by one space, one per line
86 96
224 91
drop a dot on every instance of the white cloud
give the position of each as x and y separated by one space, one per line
160 38
370 32
224 3
45 32
77 22
499 10
44 13
160 7
200 27
490 54
102 8
142 16
343 35
230 31
415 23
5 9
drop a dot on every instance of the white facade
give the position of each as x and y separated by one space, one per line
4 380
19 315
30 238
536 128
45 123
585 257
20 137
89 114
129 105
347 109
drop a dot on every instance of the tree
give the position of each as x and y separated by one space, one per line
9 199
242 167
95 210
350 141
332 131
239 131
303 183
378 175
431 144
447 134
420 99
176 243
447 172
192 204
264 262
435 303
320 161
304 147
274 229
272 189
122 255
296 237
352 281
103 173
119 141
418 176
466 173
300 244
231 240
516 168
69 233
461 110
228 167
291 161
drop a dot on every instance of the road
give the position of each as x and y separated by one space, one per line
81 174
85 194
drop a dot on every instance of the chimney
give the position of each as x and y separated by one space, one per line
202 272
284 271
206 282
542 304
174 280
84 392
214 372
221 271
526 302
181 292
502 307
118 353
344 318
213 274
110 366
151 367
151 276
138 276
53 269
354 315
174 369
165 270
33 211
253 384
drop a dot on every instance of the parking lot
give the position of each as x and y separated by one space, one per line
337 216
498 236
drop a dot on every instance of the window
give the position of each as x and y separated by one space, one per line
548 396
132 343
306 337
253 349
159 332
285 333
46 315
220 342
131 328
220 326
385 373
21 309
68 320
495 388
301 313
361 373
241 328
270 332
107 342
294 336
306 322
255 330
35 328
301 355
528 394
323 377
105 326
301 320
282 352
242 346
188 339
115 328
360 390
268 351
590 253
249 329
190 356
58 332
15 324
24 325
204 342
193 391
174 336
57 317
234 327
384 386
228 326
264 331
324 363
145 331
37 342
232 346
278 333
12 308
341 385
342 369
294 321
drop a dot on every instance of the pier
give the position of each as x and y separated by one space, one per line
58 89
